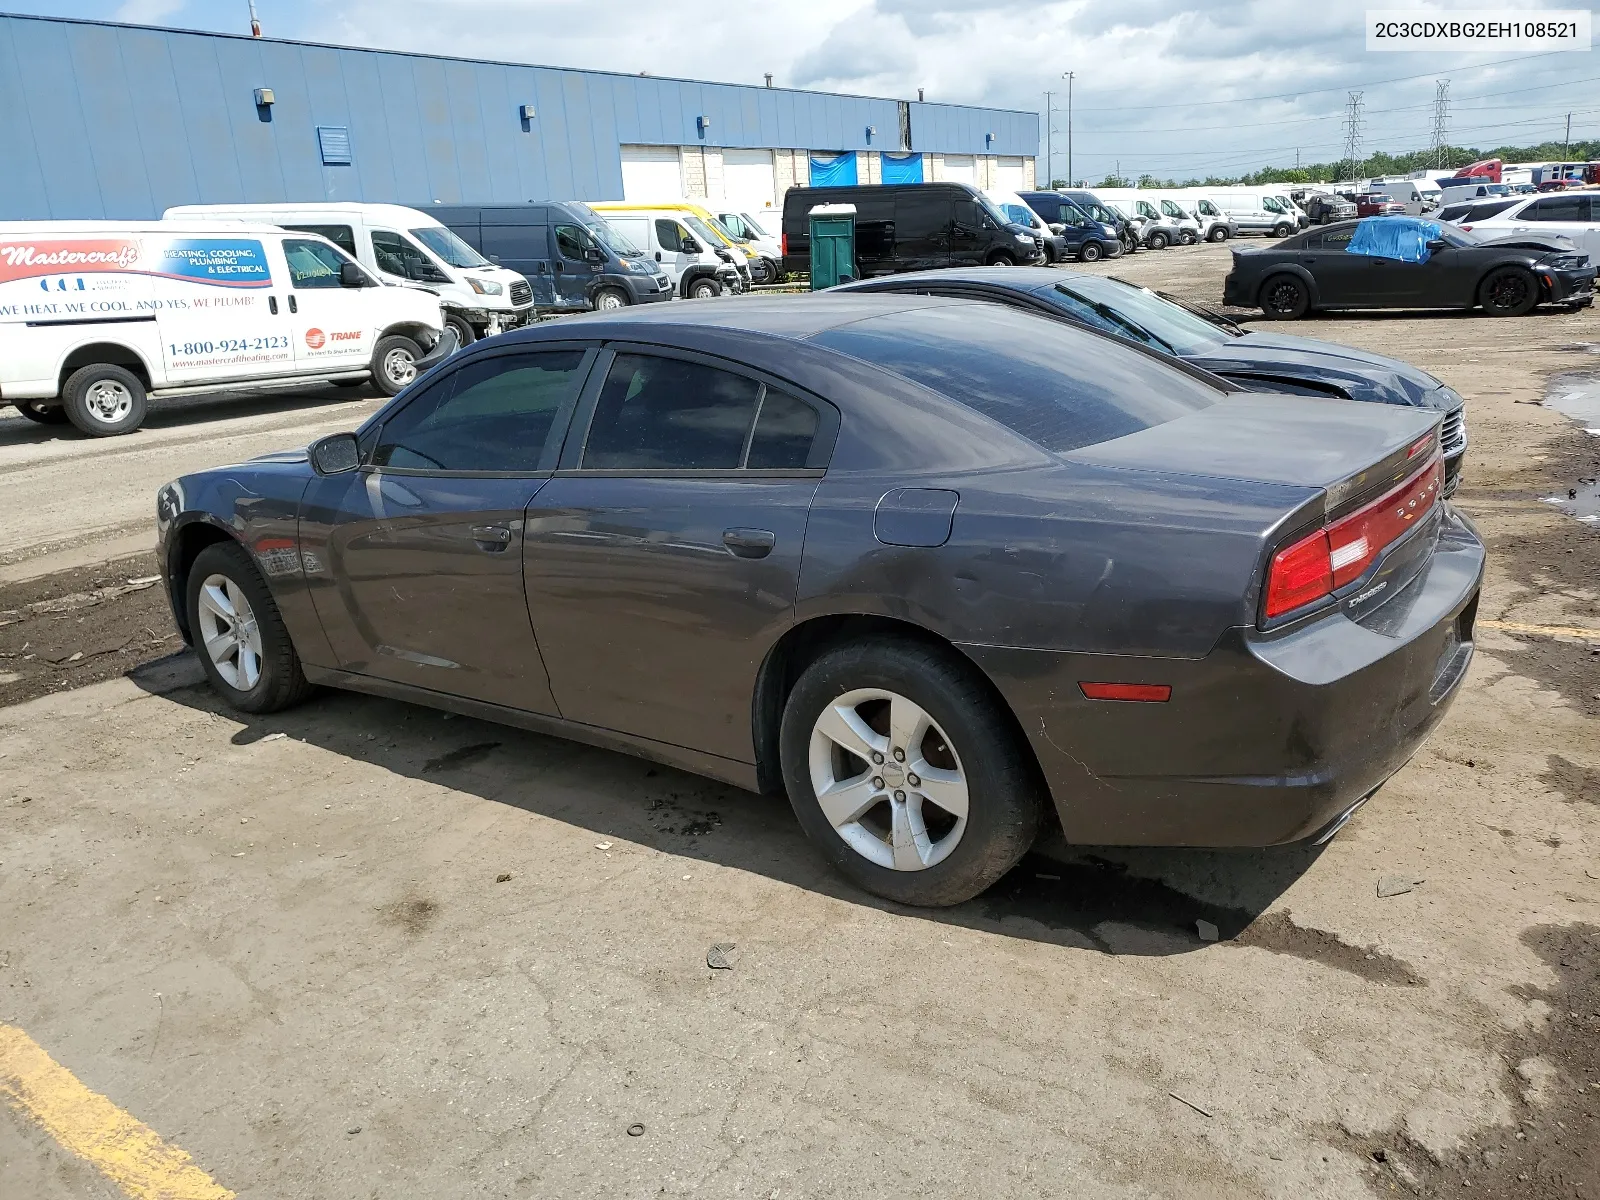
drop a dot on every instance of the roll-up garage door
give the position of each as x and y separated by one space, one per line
651 173
1008 174
960 168
747 179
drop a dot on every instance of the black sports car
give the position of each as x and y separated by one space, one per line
1506 277
927 565
1263 362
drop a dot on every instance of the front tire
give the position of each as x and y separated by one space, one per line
1188 237
1284 298
1090 252
465 333
1002 260
1509 292
42 414
394 363
906 774
764 270
609 299
705 289
239 634
1218 233
1158 241
102 400
1281 231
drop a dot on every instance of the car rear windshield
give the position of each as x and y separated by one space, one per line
1059 387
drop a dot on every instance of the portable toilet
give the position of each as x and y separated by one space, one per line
833 245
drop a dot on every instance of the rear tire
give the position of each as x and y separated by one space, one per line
914 849
42 414
239 634
394 363
1284 298
1509 292
102 400
1090 252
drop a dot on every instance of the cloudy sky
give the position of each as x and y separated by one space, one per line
1161 86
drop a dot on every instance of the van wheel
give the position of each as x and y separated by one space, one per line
1002 260
905 774
1281 231
1188 237
1509 292
43 414
1285 298
704 289
1089 252
1158 241
465 334
1219 233
609 300
394 363
102 400
763 270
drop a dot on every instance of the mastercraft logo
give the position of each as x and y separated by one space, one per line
314 338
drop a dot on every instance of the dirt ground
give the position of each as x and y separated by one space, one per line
282 942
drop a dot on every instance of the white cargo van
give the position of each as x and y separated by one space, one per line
97 316
745 228
1418 195
696 271
404 246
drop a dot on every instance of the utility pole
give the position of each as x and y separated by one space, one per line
1049 158
1068 76
255 25
1566 149
1441 124
1352 133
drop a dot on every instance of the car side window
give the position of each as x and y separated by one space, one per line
670 414
670 235
785 429
1338 239
397 255
312 264
491 414
1558 208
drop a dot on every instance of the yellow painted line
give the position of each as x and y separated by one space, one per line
1547 630
124 1149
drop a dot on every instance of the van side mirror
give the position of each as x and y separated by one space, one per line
335 454
690 246
594 254
351 275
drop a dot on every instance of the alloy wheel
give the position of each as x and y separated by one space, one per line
399 367
1508 290
1283 296
229 632
108 401
888 780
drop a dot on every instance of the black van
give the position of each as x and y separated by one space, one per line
911 227
573 259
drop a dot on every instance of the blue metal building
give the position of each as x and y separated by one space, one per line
100 120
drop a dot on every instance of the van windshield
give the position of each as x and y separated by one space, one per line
1021 214
995 214
711 240
449 247
1171 209
754 227
606 235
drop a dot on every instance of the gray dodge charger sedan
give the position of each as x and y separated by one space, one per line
932 567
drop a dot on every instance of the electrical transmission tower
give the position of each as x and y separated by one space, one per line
1352 135
1441 125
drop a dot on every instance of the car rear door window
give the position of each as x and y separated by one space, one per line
670 414
494 413
784 431
1558 208
1059 387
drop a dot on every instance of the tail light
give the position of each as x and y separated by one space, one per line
1324 561
785 240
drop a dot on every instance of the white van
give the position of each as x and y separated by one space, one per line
97 316
1250 211
404 246
1418 195
1214 224
696 271
746 228
1158 230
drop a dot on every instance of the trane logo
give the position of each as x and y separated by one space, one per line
348 335
315 338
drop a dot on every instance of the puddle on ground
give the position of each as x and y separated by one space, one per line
1582 502
1577 397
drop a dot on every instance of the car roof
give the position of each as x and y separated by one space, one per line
1021 279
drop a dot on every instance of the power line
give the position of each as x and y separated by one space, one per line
1317 91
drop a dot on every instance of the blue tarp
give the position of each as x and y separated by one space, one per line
836 170
902 168
1404 238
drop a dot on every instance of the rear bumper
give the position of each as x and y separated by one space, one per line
1265 741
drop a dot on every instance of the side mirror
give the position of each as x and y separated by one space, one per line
690 246
1438 244
351 275
594 254
335 454
1058 227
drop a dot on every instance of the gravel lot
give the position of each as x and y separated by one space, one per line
282 943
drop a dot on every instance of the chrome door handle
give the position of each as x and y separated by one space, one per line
749 543
492 538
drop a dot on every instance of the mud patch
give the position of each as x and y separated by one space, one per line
1277 932
462 756
1579 784
83 626
414 914
1552 1072
667 815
